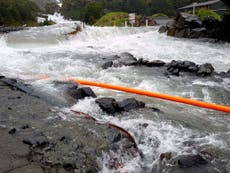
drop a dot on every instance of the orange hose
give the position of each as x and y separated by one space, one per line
149 94
155 95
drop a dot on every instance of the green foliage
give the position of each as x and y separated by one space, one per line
51 8
73 9
91 12
113 18
47 22
159 15
17 12
202 13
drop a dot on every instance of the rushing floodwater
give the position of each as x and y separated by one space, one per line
47 50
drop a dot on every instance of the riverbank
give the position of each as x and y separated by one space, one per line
37 137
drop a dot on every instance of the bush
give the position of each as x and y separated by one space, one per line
202 13
113 18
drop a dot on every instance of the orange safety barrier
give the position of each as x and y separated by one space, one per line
149 94
155 95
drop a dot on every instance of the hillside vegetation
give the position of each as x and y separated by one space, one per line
76 9
113 19
17 12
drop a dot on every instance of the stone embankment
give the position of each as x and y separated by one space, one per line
189 26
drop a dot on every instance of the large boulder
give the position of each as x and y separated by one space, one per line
175 67
83 92
127 59
188 163
205 69
130 103
111 106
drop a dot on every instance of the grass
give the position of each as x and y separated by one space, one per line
113 19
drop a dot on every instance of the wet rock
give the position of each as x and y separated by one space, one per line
228 73
107 65
187 161
198 32
189 26
183 25
130 103
175 67
165 156
12 131
155 63
109 105
36 140
205 69
127 59
171 32
162 29
25 127
81 93
18 85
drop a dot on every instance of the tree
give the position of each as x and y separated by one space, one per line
92 12
17 12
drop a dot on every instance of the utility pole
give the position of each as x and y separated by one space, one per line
194 8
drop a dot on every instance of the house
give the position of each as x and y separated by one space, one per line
215 5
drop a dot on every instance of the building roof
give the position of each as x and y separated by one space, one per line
200 4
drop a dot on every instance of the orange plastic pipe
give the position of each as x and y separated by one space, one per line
155 95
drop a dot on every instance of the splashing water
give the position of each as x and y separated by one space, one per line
47 50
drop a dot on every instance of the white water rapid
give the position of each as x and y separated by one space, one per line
48 51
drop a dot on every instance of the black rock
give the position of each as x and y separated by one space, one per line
18 85
187 161
228 72
127 59
197 32
25 127
205 69
173 71
12 131
130 103
180 33
108 105
162 29
80 93
107 65
175 67
155 63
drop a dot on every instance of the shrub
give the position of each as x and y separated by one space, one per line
202 13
